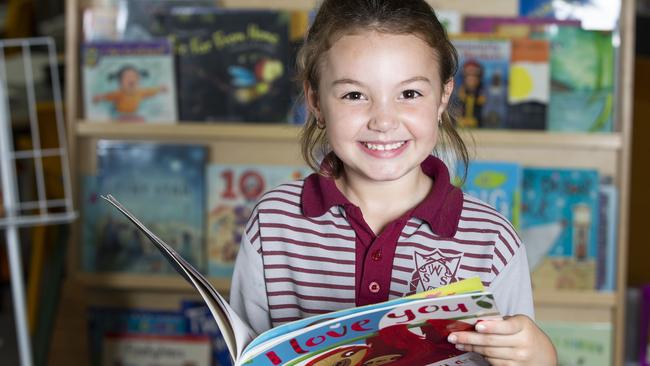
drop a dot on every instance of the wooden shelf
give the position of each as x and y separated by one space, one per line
287 132
124 281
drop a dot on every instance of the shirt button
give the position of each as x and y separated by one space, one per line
376 255
374 287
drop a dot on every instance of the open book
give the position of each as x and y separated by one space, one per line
406 331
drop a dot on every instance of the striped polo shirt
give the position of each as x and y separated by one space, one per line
306 250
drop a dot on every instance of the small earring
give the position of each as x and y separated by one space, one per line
439 121
320 123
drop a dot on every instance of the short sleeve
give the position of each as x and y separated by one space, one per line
248 291
512 288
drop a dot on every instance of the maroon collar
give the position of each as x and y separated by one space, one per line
440 209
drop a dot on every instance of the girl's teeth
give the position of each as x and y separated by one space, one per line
382 147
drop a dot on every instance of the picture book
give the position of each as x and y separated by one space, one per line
497 183
581 343
599 15
142 173
582 79
529 88
482 81
129 82
129 349
99 23
200 322
485 24
233 191
232 64
559 226
399 329
607 237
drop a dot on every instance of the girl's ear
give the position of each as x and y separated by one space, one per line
311 96
447 89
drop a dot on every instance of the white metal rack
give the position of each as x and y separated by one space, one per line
19 210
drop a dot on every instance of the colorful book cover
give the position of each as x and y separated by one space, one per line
559 221
99 23
200 322
582 79
497 183
131 349
233 191
529 89
598 15
607 237
233 65
111 320
579 343
482 81
129 82
143 173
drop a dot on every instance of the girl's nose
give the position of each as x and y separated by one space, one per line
383 117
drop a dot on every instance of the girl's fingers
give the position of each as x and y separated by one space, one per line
479 339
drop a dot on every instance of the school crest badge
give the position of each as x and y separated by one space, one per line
433 270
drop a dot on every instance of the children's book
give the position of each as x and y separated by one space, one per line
483 24
201 322
497 183
233 64
599 15
482 81
559 221
233 191
581 343
530 81
607 237
582 79
142 173
130 349
411 330
129 82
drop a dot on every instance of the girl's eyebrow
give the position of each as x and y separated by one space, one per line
358 83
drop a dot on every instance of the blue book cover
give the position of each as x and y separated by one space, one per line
113 320
482 81
497 183
600 15
142 173
559 226
201 322
233 190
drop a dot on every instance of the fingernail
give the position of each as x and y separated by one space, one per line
452 338
460 347
480 327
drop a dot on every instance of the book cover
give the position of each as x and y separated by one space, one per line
145 173
582 79
559 221
114 320
482 81
129 82
200 322
580 343
398 330
599 15
233 191
529 89
497 183
484 24
232 65
99 23
154 350
607 237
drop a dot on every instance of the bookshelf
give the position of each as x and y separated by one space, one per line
277 144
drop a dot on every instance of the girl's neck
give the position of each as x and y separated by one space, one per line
383 202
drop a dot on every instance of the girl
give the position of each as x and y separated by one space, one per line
381 219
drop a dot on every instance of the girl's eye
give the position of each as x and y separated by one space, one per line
411 94
353 96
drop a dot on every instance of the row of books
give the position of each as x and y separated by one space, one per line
170 61
567 218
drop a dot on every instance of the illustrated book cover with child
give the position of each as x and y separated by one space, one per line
404 331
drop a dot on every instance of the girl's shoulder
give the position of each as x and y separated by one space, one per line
289 193
481 215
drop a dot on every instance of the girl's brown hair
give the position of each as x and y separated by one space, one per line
336 18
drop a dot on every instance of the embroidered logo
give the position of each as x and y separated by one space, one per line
433 270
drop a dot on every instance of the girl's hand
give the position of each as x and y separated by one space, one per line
515 340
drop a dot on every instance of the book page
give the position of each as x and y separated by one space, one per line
237 334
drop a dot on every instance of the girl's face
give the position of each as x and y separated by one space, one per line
380 96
